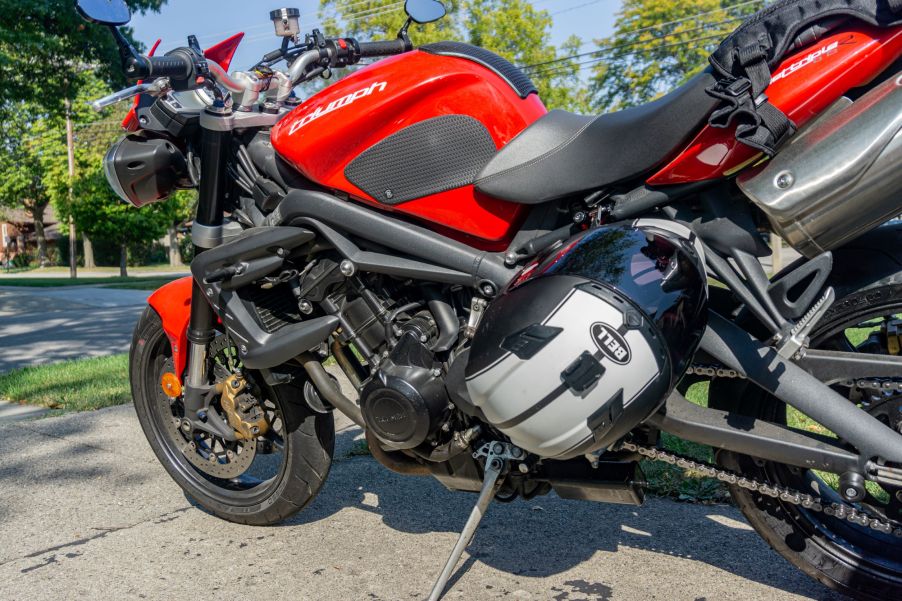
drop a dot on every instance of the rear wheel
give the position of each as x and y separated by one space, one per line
854 559
261 479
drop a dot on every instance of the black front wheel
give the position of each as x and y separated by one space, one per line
262 478
857 560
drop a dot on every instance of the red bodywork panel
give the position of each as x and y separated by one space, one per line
222 53
172 303
323 135
805 84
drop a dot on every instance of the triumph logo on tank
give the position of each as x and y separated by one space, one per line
337 104
611 343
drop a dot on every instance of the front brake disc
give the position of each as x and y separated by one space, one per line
209 454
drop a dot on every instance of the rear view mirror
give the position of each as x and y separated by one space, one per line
424 11
105 12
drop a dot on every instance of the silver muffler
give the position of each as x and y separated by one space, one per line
840 177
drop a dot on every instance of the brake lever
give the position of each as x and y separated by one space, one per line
157 87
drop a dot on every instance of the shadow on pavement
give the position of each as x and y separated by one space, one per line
546 535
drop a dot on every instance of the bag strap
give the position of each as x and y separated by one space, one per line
759 123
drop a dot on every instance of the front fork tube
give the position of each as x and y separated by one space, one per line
206 234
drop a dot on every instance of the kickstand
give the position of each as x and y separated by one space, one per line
496 455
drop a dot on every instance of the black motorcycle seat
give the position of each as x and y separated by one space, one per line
563 154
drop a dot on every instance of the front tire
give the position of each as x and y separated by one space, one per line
306 442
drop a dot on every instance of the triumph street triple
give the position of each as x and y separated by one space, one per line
521 297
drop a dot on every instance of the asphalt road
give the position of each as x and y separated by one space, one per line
48 325
86 512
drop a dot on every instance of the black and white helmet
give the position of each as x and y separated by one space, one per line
590 340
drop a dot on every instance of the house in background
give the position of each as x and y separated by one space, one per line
18 235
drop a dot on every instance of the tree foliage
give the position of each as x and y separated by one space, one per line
97 211
657 45
34 169
42 44
514 29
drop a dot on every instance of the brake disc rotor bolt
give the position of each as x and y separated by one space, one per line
523 468
186 425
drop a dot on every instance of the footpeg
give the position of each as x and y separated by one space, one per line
497 455
797 339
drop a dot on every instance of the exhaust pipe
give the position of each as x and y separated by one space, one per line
839 178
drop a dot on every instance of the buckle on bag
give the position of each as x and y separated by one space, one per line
734 88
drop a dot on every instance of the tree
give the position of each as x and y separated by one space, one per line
43 41
44 46
657 45
178 210
514 29
25 179
101 214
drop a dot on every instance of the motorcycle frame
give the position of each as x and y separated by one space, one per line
191 322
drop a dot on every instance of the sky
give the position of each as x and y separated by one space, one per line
214 20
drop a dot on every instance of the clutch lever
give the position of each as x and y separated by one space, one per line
158 87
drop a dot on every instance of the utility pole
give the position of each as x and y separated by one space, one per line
70 143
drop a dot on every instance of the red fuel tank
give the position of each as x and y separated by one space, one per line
410 133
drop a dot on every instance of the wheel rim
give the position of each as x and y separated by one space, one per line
263 474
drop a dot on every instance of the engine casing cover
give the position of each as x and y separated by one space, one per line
403 403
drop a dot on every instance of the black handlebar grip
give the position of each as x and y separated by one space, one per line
386 48
174 66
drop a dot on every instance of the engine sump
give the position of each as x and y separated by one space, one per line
621 482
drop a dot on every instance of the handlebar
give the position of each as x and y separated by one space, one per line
341 52
176 65
182 68
386 48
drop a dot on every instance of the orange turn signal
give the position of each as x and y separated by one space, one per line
171 385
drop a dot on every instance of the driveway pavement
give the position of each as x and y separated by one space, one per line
86 512
48 325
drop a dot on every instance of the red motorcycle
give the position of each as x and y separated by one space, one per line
520 298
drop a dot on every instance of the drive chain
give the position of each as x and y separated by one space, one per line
838 510
788 495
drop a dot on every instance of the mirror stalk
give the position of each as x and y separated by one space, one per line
134 65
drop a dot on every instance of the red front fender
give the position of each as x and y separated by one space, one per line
172 303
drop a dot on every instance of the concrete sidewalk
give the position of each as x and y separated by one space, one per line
88 513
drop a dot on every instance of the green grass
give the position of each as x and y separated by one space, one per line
130 283
667 480
140 284
143 269
81 385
